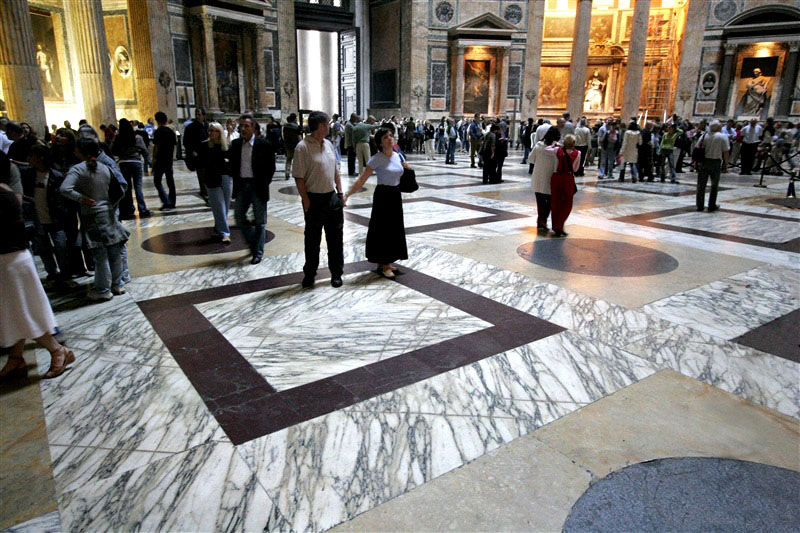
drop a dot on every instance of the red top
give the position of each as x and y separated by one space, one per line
562 167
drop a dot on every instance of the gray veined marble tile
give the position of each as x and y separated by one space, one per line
208 488
325 471
107 405
373 320
47 523
737 225
751 374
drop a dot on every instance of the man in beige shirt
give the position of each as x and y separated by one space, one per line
316 174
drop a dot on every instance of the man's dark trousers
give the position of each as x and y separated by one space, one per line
320 215
709 169
748 155
351 161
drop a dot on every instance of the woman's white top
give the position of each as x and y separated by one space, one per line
544 161
630 143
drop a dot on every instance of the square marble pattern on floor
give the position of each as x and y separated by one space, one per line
293 336
738 225
426 213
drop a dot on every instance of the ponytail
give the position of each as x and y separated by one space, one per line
89 149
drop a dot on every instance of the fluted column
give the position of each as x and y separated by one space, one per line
787 80
691 49
89 31
211 64
533 58
261 74
152 57
632 88
22 88
287 58
580 57
458 83
720 109
198 64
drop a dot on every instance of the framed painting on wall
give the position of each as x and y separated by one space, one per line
476 86
48 58
553 85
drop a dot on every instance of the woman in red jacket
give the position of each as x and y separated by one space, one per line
562 184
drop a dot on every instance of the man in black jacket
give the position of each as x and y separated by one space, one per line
252 164
194 134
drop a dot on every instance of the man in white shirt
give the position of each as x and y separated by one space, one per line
316 174
751 137
5 142
583 136
717 147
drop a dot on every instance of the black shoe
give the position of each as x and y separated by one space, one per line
473 166
307 282
713 208
560 233
256 259
336 282
145 214
700 208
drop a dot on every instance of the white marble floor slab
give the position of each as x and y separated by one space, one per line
293 336
737 225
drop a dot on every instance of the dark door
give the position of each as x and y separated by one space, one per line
349 101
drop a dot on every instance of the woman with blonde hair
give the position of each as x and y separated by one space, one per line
213 157
562 183
230 130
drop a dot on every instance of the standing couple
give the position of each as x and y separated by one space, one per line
553 182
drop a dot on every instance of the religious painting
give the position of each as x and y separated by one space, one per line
553 85
476 86
595 89
601 28
559 27
120 63
656 26
754 89
47 59
226 55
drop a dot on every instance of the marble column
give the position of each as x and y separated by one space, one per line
788 80
721 107
580 58
632 88
533 58
261 73
198 65
287 58
86 18
691 51
504 58
152 58
19 73
457 107
414 58
211 65
611 89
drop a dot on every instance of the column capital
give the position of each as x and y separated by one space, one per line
730 48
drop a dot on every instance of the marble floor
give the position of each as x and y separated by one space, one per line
219 395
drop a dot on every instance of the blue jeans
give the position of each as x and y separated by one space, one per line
634 170
666 157
254 232
219 198
607 160
526 151
159 171
51 245
132 172
451 151
107 268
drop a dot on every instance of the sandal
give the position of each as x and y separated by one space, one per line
386 273
57 370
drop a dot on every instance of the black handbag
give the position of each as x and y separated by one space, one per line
408 181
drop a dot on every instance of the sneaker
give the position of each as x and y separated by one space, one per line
99 297
226 240
118 291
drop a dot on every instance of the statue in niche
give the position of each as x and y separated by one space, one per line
593 99
756 94
45 62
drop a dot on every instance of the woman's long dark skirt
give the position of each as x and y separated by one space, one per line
386 238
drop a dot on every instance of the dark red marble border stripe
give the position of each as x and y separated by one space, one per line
779 337
498 215
247 406
649 219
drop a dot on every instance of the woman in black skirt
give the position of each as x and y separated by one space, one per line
386 238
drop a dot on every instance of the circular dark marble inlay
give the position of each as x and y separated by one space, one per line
597 257
196 241
690 494
292 190
785 202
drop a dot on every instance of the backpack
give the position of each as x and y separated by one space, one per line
699 152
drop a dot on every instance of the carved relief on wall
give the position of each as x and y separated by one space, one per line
724 10
119 57
553 85
755 85
50 67
444 12
513 14
476 86
708 82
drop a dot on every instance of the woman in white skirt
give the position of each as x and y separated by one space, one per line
25 311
